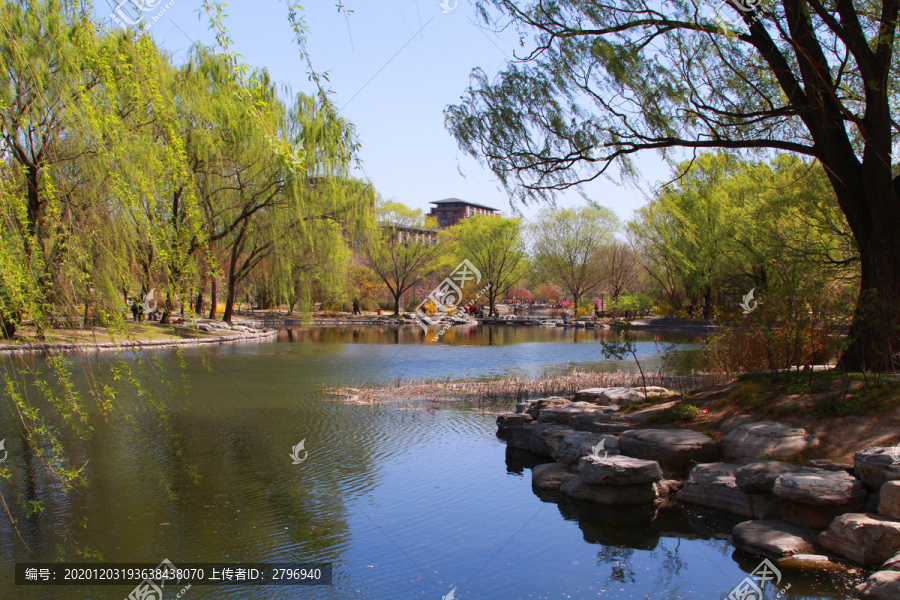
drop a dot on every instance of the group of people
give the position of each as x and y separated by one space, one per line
480 311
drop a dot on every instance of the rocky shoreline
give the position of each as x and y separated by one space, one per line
802 514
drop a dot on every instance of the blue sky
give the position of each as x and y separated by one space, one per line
394 66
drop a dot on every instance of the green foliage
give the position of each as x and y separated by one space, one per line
677 413
494 245
635 304
566 244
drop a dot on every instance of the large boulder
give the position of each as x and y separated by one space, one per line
608 396
753 441
550 476
869 540
507 419
759 477
734 421
818 487
545 438
712 485
576 444
610 495
889 501
519 436
873 466
600 423
618 470
882 585
773 539
562 415
673 449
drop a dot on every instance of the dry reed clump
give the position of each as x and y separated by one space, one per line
523 389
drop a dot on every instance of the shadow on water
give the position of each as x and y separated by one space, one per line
621 531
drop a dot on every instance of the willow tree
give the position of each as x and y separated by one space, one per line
402 250
495 246
604 81
565 247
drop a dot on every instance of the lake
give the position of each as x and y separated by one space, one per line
406 500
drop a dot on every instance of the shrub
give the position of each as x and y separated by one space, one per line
368 305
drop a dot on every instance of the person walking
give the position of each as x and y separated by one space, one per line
134 309
356 307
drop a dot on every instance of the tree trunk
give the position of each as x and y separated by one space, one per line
396 305
229 298
213 297
874 338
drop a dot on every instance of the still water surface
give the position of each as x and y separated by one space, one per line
407 501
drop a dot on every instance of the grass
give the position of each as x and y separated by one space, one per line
147 330
678 413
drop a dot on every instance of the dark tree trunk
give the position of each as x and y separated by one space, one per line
7 327
199 307
229 298
396 305
213 297
874 338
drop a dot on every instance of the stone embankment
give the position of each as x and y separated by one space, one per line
238 334
810 514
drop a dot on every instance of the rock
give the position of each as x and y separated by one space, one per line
580 443
869 540
667 489
821 488
607 396
600 423
612 495
828 465
550 476
519 436
873 466
804 515
882 585
889 502
713 485
545 438
534 407
562 415
618 470
872 502
774 539
759 477
734 421
810 562
677 449
775 441
892 564
508 419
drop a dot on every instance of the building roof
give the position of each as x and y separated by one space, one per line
457 200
